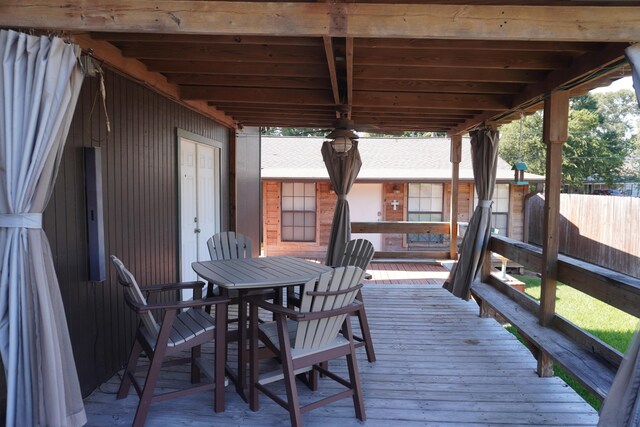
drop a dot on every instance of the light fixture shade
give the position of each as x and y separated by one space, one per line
342 139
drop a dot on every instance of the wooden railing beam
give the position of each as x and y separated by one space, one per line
400 227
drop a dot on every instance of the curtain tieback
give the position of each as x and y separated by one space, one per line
485 203
342 197
23 220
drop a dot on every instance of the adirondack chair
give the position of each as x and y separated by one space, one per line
304 339
357 252
178 332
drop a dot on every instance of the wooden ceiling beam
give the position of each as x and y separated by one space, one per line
434 21
399 71
520 46
349 64
224 53
436 86
420 110
433 100
237 40
111 56
292 123
463 59
237 69
331 66
247 81
252 95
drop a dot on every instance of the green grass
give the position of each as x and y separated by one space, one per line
611 325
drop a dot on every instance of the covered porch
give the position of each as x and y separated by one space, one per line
438 363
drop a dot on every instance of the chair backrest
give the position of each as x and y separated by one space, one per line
126 279
358 252
330 292
229 245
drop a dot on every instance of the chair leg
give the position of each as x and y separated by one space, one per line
354 374
195 370
125 384
147 392
366 334
254 402
293 402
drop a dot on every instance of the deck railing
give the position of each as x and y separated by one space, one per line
598 361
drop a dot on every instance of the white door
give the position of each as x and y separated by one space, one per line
199 204
365 205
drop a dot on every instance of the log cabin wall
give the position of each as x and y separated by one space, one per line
140 213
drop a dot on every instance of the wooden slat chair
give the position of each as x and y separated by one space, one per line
178 332
304 339
359 253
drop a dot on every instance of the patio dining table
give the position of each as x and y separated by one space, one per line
247 274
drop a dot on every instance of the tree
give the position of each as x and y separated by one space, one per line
602 135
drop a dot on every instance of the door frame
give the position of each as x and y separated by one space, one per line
224 186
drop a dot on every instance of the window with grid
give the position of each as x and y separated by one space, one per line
500 216
499 209
424 203
298 212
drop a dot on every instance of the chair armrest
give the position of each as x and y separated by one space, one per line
351 308
176 305
275 308
172 286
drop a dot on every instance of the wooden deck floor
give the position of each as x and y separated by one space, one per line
438 364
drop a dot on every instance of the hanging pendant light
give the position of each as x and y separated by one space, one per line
342 140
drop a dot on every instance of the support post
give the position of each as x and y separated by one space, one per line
456 157
556 120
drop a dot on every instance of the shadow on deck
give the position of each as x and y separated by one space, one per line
438 364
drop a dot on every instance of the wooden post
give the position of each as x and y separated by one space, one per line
556 120
456 157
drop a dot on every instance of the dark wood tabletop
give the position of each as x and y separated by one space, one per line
253 273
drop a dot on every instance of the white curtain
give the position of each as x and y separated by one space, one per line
40 81
622 405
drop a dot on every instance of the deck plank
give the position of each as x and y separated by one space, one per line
439 364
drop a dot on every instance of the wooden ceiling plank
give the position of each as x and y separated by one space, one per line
207 39
464 59
237 69
251 95
433 100
247 81
399 71
436 86
224 53
420 110
111 56
520 46
331 66
435 21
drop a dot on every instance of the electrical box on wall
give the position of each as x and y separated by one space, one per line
95 217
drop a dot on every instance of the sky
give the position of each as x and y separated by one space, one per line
623 83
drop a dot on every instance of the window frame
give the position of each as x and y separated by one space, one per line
307 237
433 240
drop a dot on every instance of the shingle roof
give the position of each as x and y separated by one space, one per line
383 159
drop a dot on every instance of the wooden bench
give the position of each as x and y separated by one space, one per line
592 370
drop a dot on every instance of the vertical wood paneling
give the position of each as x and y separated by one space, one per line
140 213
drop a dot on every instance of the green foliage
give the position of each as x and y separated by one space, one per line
306 132
603 135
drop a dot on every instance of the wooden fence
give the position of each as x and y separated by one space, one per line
603 230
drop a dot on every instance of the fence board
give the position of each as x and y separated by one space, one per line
602 230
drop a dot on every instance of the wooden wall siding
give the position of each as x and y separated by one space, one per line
325 202
602 230
140 211
390 242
